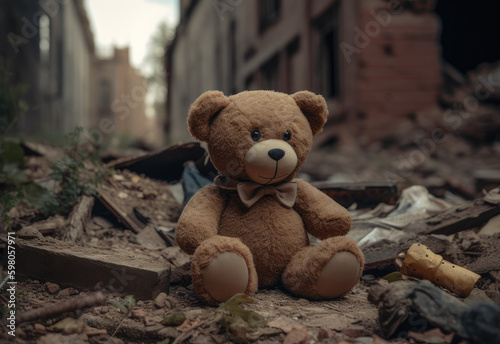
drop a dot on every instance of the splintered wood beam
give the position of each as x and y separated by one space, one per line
363 194
383 257
78 218
128 219
71 265
166 164
465 216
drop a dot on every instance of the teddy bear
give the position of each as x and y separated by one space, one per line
249 229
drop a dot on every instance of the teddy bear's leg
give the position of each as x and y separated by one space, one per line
326 271
221 267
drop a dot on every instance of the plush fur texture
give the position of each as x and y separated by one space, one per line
270 237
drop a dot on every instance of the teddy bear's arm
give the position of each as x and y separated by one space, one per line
199 219
322 216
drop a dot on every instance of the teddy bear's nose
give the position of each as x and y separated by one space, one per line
276 153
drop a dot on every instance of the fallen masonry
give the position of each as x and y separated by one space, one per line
87 268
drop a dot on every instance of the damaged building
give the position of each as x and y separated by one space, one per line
376 62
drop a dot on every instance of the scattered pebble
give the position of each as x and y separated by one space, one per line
149 321
39 327
67 293
138 314
355 331
52 288
29 232
160 300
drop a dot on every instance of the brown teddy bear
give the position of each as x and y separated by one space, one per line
250 227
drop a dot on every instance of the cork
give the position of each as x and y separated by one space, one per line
420 262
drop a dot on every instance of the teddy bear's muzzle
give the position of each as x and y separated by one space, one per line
270 161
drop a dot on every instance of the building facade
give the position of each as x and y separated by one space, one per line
375 61
118 96
48 46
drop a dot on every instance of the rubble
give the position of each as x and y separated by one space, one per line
362 194
166 164
138 201
126 235
383 257
425 305
64 263
464 216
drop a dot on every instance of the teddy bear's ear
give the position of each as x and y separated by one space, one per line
202 112
313 106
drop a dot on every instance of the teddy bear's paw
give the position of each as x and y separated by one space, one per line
339 275
226 275
221 267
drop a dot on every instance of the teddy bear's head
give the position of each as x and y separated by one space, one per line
262 136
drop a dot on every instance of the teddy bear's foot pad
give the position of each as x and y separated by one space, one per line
339 275
226 275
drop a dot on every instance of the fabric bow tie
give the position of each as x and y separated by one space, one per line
284 193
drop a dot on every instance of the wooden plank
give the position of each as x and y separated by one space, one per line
127 219
384 256
166 164
80 267
468 215
363 194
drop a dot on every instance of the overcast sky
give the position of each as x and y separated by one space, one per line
129 22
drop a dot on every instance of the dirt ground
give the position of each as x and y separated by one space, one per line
281 311
351 319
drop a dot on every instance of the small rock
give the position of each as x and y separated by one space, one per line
58 338
122 195
29 233
39 327
296 336
322 334
148 321
118 177
102 222
160 300
52 288
170 301
149 194
138 314
67 293
368 278
355 331
68 326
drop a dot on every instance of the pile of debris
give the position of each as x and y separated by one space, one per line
110 272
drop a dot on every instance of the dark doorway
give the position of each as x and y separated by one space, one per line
470 32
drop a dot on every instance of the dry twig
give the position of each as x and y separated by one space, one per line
62 307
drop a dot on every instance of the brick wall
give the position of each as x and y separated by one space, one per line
399 65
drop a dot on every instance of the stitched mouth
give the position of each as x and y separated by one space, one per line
273 177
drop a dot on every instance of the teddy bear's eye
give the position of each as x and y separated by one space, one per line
287 136
255 135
